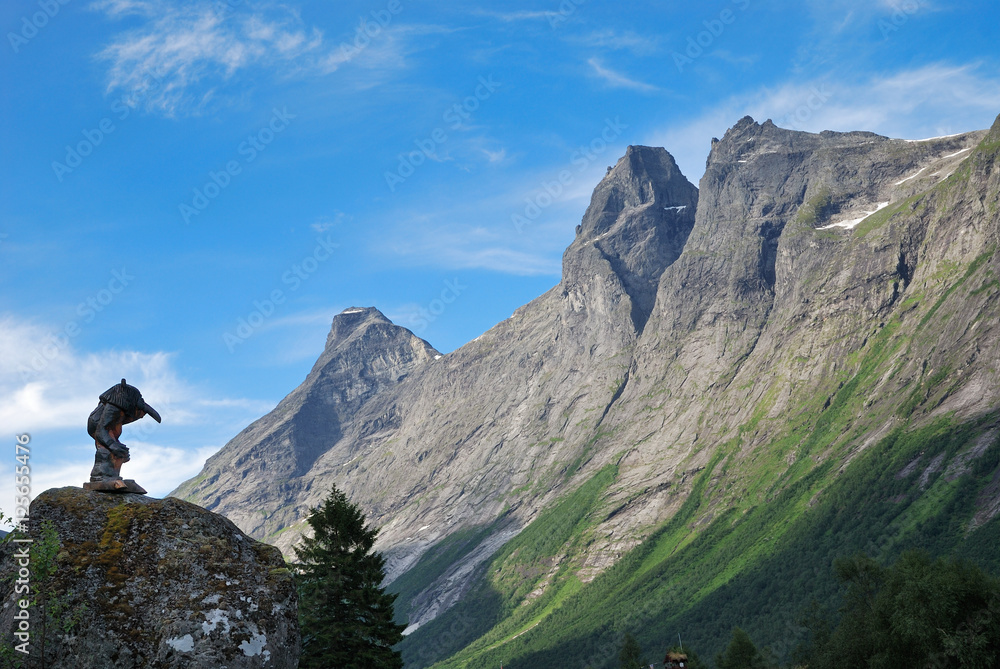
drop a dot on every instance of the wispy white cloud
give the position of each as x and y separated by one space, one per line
878 8
458 246
639 45
290 339
181 45
495 156
905 6
844 28
386 52
409 315
327 223
252 406
158 469
617 80
843 24
186 55
119 8
734 59
307 318
521 15
935 100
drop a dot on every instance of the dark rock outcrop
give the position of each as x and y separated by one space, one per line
157 584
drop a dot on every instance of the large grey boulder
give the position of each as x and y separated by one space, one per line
156 583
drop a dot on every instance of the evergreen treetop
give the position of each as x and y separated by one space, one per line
345 614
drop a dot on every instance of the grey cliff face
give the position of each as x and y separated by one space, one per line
782 282
683 316
159 584
443 442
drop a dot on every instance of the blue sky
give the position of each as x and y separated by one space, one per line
190 191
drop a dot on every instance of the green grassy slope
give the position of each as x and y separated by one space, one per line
501 604
751 553
739 571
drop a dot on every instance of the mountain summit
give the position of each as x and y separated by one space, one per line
364 355
636 225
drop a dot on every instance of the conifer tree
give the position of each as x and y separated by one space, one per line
345 615
741 653
629 657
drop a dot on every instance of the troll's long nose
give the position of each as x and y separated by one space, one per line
149 410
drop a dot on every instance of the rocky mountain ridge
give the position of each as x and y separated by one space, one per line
629 222
776 321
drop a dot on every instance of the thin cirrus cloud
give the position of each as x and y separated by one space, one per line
618 80
185 55
455 245
120 8
520 15
495 156
378 60
180 46
937 99
613 40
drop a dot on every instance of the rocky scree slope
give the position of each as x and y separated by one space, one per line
705 354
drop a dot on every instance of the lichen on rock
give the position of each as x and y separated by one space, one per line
159 583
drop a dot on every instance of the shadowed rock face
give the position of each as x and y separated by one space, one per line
159 583
687 321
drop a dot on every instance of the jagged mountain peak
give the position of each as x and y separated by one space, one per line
358 313
364 329
643 176
638 220
747 139
365 354
761 180
353 320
